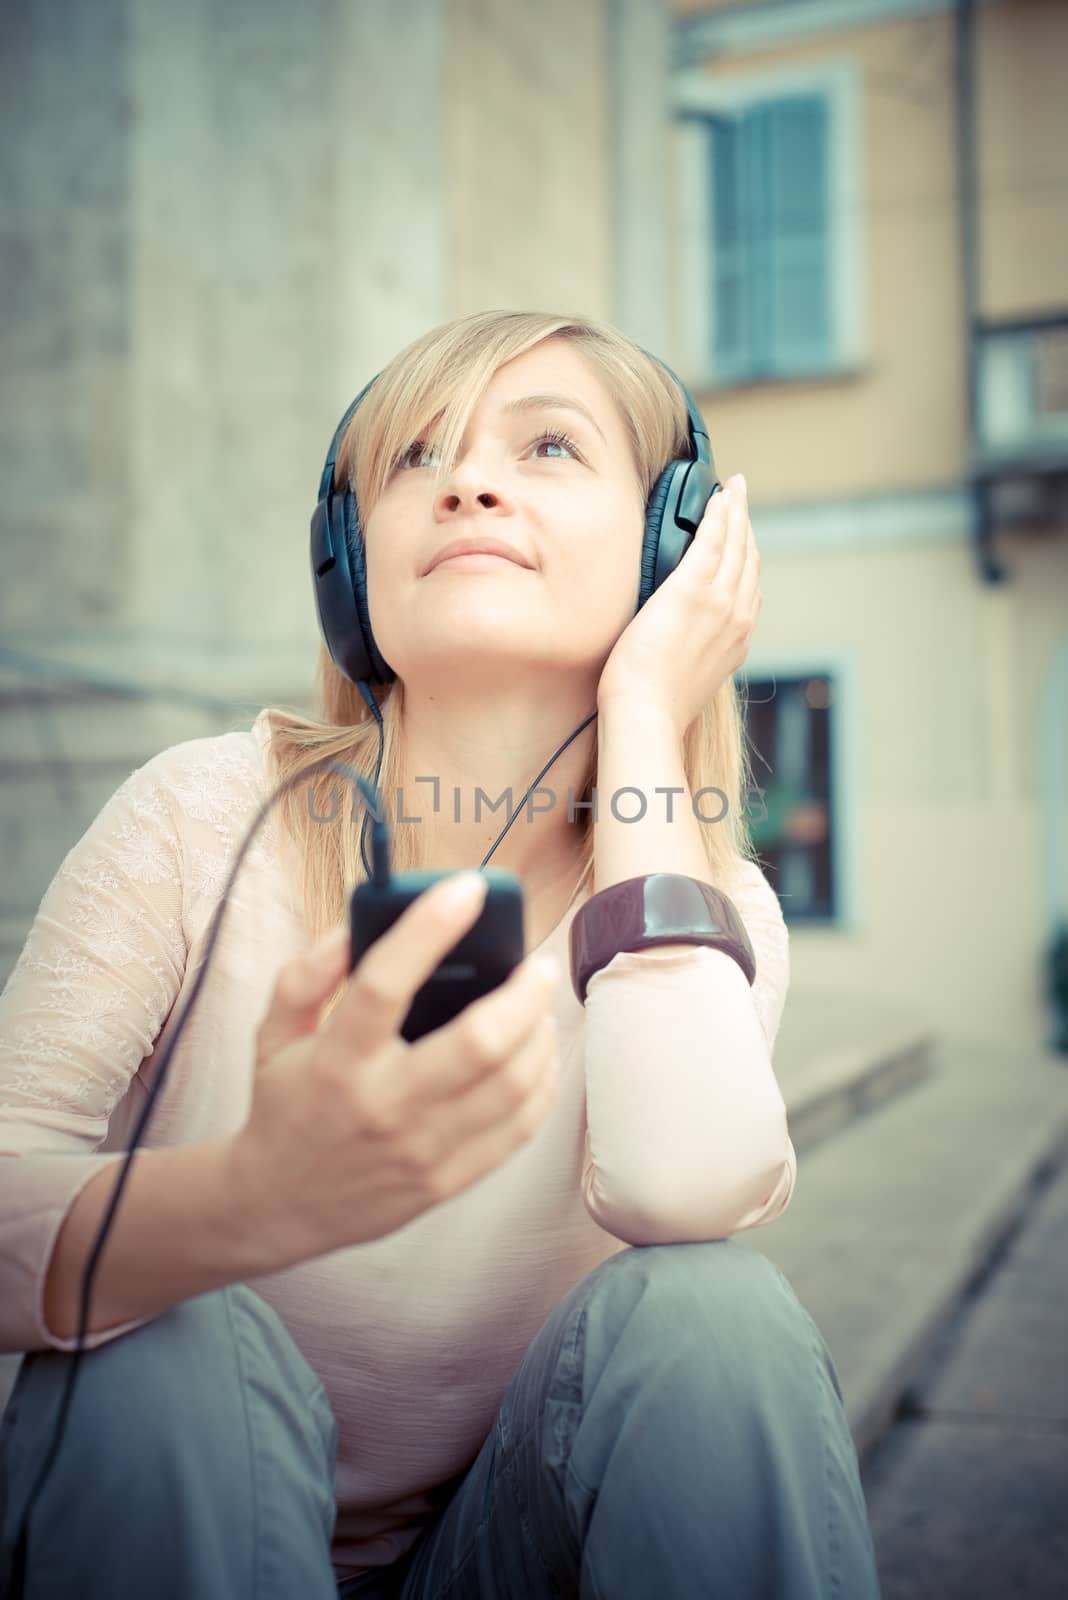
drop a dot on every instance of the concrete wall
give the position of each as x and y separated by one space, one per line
530 211
225 217
219 220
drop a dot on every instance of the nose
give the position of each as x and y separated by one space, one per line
467 487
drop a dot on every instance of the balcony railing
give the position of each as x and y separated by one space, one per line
1019 466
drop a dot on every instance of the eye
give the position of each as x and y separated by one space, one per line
422 455
554 437
404 458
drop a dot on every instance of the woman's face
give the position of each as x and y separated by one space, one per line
570 507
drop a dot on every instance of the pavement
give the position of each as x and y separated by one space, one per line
968 1490
928 1239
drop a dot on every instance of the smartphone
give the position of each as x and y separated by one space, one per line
481 960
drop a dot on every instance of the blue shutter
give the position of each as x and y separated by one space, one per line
730 276
758 187
795 133
770 235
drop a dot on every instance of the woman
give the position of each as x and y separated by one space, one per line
461 1317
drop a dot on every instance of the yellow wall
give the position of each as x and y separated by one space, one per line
1023 145
901 422
687 8
901 419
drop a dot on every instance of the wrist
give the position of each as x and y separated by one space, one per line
266 1237
657 908
636 708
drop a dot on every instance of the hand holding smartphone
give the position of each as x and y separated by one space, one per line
354 1130
482 959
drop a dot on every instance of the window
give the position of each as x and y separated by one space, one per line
770 282
792 814
769 233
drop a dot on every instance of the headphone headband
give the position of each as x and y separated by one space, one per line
325 483
702 447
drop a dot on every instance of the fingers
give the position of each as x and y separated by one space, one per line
496 1116
388 976
747 554
486 1035
732 534
301 989
749 582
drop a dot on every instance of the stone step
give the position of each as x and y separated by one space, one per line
841 1056
894 1218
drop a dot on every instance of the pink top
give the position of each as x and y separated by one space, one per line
668 1126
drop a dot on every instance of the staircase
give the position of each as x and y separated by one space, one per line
917 1156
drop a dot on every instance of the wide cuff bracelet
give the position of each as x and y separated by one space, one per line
659 908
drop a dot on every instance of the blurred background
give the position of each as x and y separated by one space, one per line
845 224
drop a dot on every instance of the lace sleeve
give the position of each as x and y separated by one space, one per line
93 985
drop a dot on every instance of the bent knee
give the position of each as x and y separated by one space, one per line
727 1289
707 1272
180 1381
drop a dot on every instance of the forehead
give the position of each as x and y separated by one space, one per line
554 367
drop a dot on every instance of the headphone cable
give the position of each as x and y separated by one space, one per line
379 874
369 697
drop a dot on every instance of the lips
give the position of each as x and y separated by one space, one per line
478 546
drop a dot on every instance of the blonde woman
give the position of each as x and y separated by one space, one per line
460 1317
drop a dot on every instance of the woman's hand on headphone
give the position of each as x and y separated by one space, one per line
354 1131
694 630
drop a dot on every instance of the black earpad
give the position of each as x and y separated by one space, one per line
332 582
654 517
380 670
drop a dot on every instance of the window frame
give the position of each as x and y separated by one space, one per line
697 99
842 668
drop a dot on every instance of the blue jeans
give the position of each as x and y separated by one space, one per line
675 1429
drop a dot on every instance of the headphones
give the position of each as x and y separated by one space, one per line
339 575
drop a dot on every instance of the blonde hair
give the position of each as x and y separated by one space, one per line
433 385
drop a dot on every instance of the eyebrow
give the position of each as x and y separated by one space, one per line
558 402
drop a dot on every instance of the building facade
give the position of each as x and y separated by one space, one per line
841 221
872 303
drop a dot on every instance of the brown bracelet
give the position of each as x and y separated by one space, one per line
659 908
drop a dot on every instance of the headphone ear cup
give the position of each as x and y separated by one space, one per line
337 575
654 521
332 583
379 669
